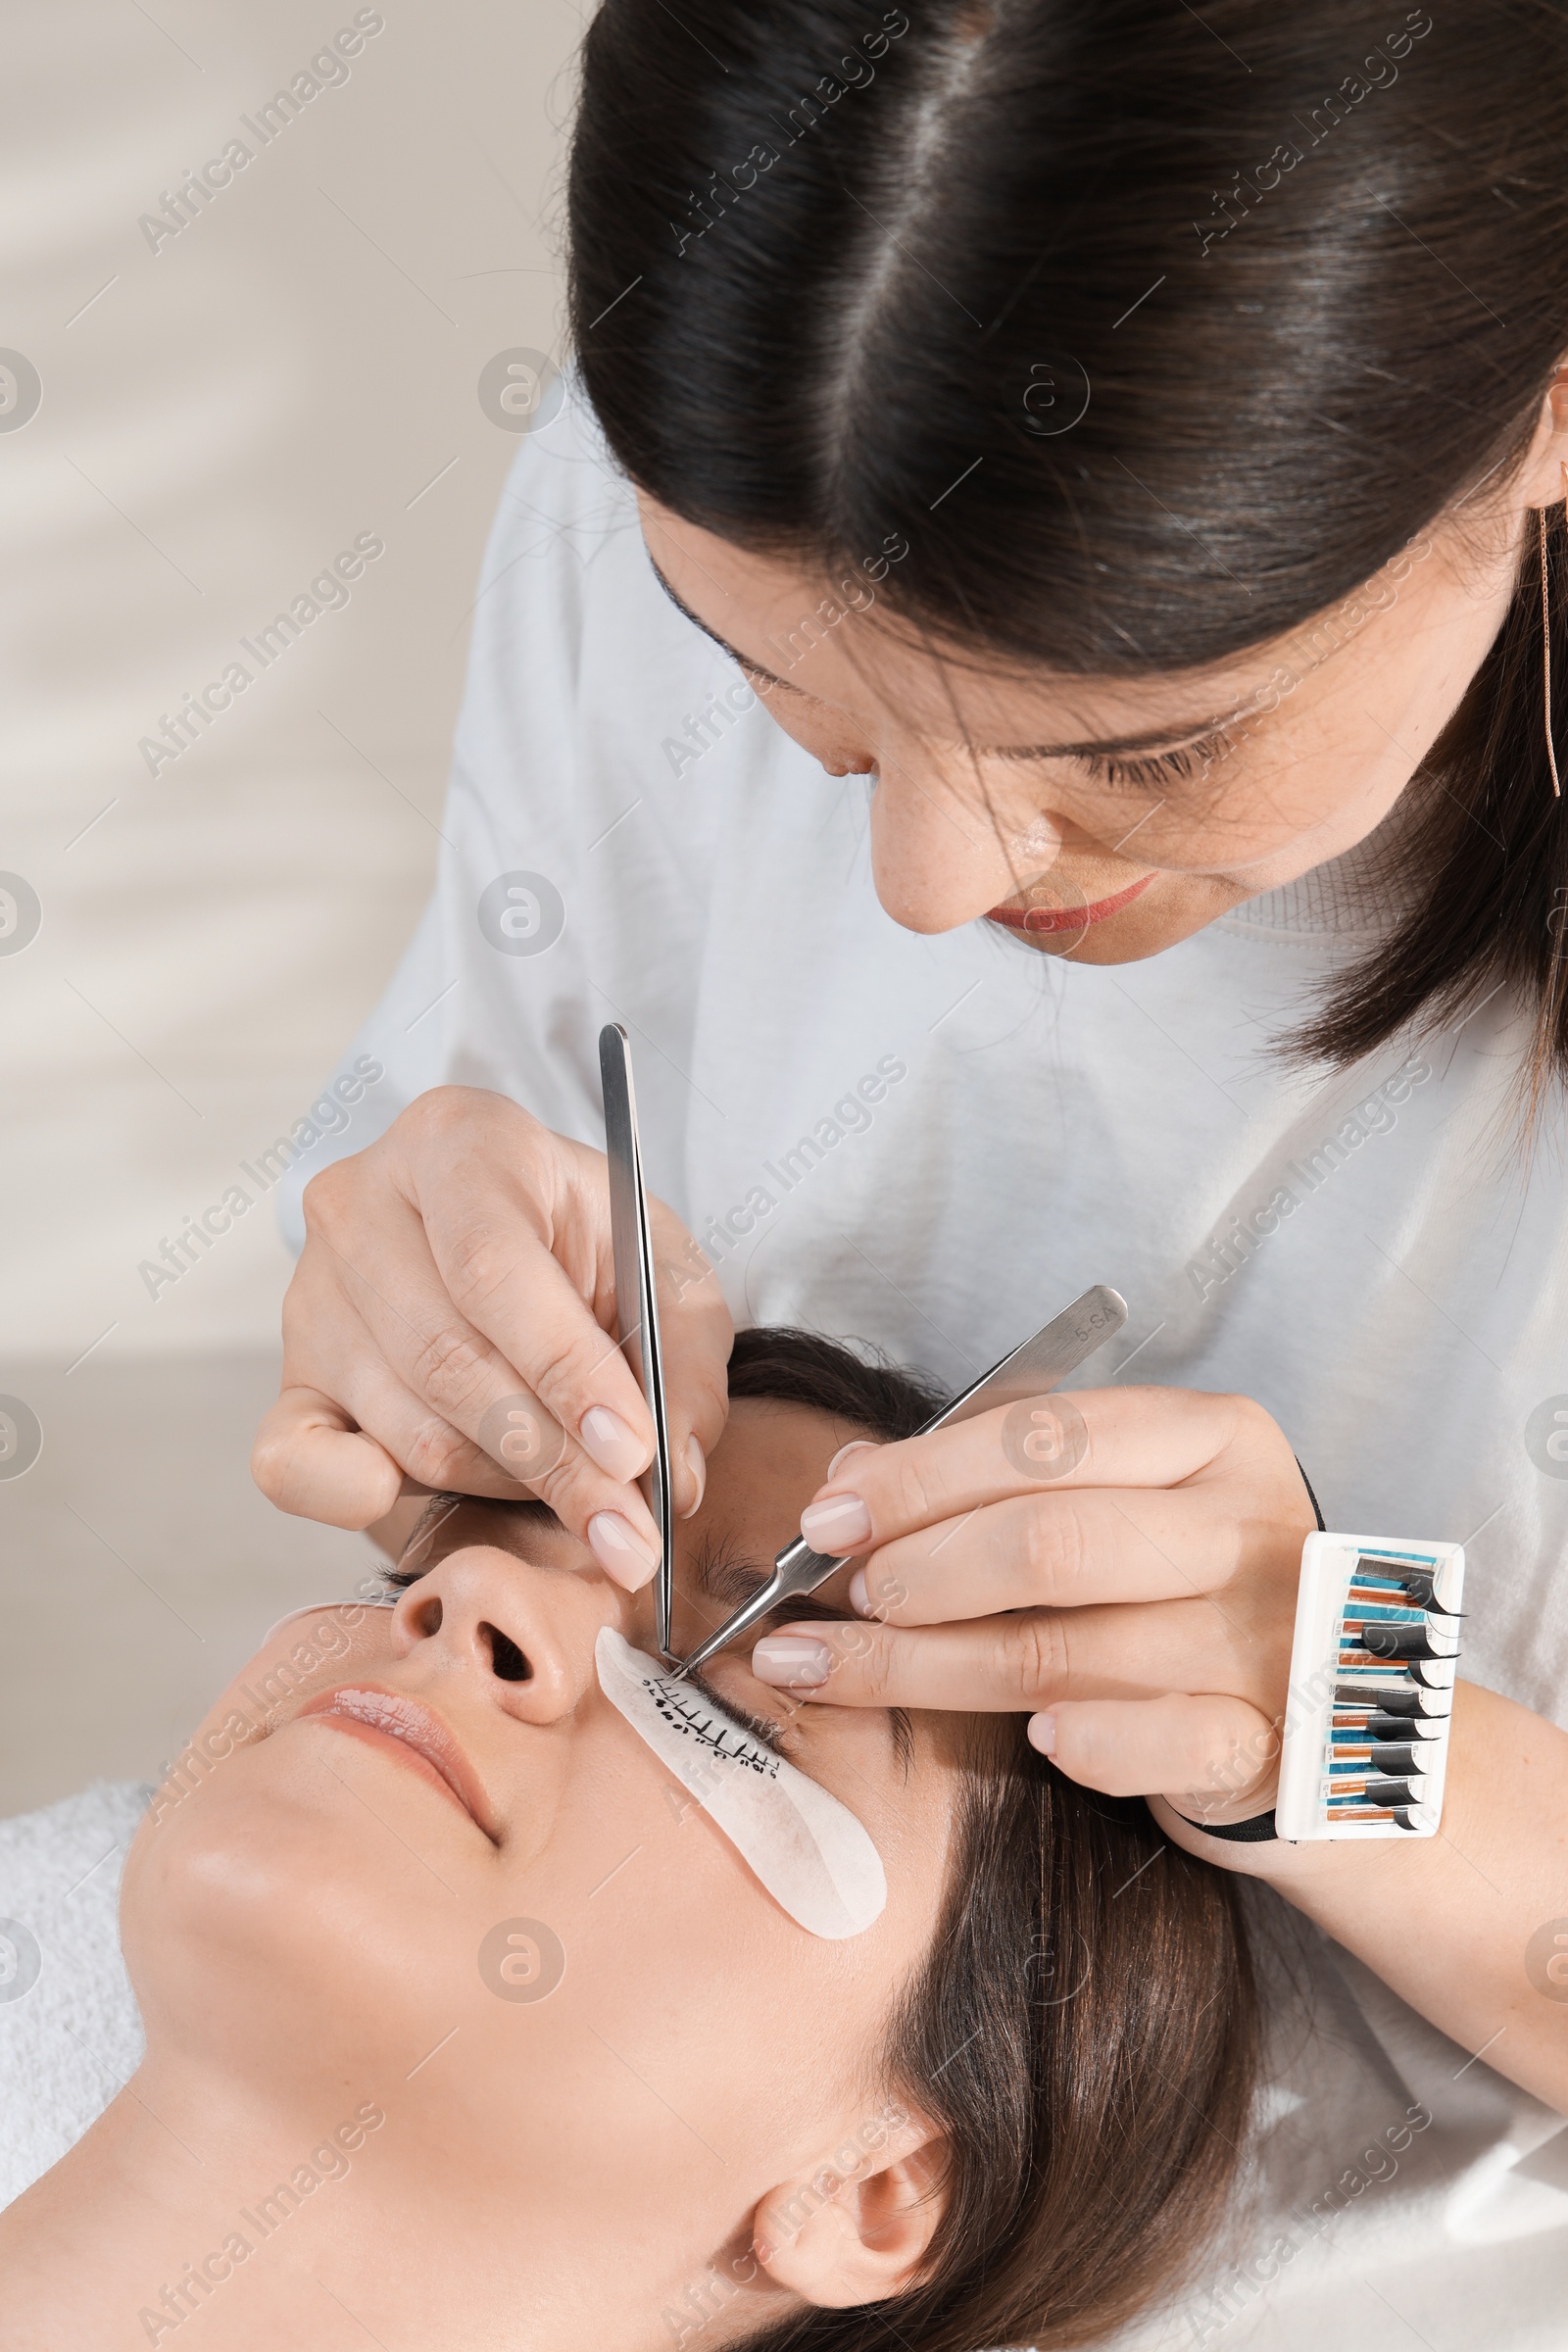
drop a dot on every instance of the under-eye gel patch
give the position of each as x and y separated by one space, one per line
810 1853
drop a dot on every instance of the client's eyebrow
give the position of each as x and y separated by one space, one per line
439 1512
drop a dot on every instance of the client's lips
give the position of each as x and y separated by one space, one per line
1069 919
405 1727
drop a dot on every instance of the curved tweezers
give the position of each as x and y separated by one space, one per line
1059 1348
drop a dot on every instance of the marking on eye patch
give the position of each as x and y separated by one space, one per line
722 1737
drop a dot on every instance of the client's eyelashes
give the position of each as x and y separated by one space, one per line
415 1558
767 1730
420 1554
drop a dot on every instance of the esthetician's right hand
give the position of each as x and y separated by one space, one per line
452 1311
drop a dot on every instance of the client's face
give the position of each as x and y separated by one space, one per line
598 2042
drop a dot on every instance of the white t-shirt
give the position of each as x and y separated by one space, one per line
935 1142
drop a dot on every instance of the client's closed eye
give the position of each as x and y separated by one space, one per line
768 1730
727 1578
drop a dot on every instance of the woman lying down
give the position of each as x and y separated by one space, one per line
469 2025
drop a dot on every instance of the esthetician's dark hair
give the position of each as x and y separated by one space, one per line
1083 2032
844 277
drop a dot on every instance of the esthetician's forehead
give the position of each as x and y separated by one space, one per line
1202 714
755 604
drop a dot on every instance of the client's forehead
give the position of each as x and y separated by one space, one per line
769 1462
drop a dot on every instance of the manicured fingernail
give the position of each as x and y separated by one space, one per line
855 1445
620 1550
1042 1733
838 1525
857 1596
792 1661
608 1441
697 1463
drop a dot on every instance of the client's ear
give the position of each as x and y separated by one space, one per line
858 2227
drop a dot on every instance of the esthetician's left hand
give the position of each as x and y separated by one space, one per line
1120 1562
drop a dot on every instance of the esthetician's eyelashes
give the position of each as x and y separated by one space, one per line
766 683
1154 768
1157 767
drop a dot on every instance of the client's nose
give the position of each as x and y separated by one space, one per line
522 1633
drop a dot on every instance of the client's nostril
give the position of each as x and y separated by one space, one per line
507 1661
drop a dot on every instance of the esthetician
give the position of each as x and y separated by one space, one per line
1028 664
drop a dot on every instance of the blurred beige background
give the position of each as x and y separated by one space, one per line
223 411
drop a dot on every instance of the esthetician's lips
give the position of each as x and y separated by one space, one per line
1067 919
394 1723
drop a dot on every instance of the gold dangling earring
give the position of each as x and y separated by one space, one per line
1546 657
1557 401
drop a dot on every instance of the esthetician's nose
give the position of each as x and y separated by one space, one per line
937 856
518 1633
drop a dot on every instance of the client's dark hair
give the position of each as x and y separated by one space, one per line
1083 2032
1135 333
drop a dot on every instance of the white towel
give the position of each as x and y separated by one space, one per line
70 2036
